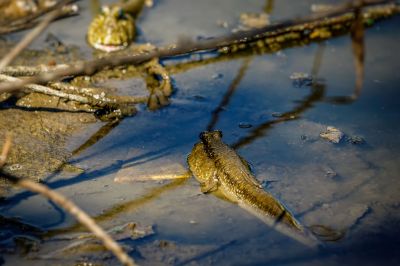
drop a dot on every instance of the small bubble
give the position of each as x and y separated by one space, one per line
245 125
276 114
217 76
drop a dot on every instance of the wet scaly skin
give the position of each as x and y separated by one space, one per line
219 168
114 28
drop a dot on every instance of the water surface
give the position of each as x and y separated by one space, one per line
348 187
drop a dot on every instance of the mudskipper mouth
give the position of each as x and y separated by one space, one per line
108 47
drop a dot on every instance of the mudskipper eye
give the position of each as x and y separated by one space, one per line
105 10
201 135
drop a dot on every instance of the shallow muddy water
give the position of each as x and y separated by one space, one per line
350 187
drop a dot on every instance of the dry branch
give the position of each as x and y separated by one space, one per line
95 96
68 205
91 96
17 71
5 150
183 47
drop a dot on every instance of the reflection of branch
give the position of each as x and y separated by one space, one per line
187 46
317 94
357 37
122 208
68 205
358 45
317 60
231 89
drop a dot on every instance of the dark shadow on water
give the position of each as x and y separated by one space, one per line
229 93
12 201
101 133
134 161
370 249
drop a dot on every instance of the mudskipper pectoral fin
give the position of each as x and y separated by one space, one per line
209 186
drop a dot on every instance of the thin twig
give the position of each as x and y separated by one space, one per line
68 205
17 71
93 96
76 212
47 90
5 150
96 95
89 96
183 47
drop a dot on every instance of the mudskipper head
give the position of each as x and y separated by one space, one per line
206 136
111 30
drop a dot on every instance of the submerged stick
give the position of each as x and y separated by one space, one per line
67 205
